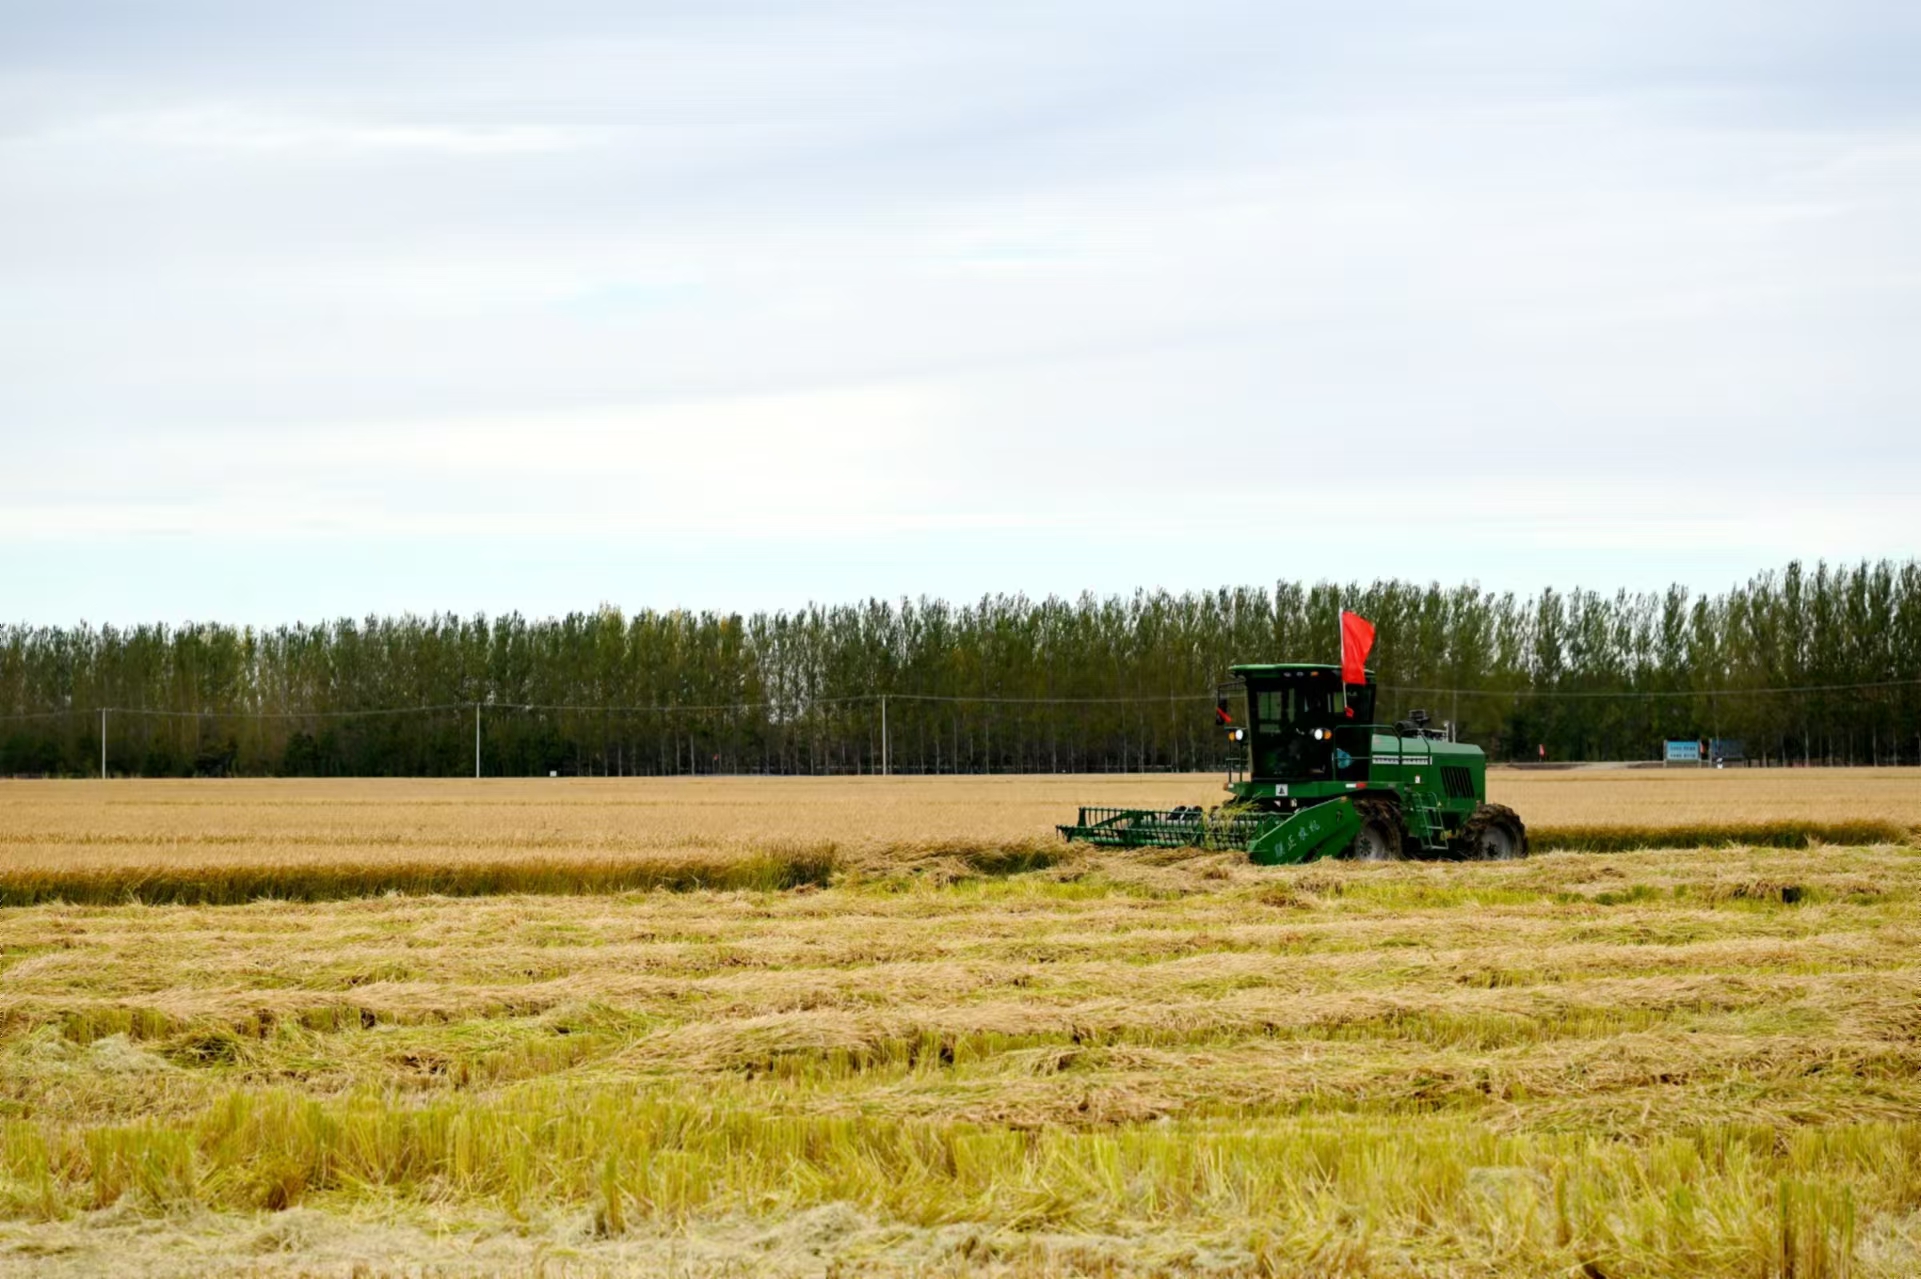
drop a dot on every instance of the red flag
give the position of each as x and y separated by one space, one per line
1357 641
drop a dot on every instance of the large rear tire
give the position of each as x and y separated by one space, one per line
1492 833
1383 833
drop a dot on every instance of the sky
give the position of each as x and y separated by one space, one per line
322 310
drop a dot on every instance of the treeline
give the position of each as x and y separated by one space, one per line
1008 684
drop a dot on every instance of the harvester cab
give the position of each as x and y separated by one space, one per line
1283 721
1311 774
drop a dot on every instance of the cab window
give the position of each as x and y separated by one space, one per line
1290 704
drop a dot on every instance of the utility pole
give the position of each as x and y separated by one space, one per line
884 763
476 741
1714 721
103 743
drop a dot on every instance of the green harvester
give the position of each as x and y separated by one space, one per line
1312 776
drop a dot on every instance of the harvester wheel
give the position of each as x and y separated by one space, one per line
1383 833
1492 833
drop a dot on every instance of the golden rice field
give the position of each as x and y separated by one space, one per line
743 830
888 1026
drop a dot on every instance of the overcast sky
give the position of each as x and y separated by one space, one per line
322 309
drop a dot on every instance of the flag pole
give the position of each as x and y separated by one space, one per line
1340 624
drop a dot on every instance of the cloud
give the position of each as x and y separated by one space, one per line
226 128
1054 294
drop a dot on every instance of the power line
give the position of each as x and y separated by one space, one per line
661 708
237 713
671 708
27 715
1153 700
1646 695
804 704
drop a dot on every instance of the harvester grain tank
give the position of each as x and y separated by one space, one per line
1312 775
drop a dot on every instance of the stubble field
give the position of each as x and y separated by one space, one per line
888 1025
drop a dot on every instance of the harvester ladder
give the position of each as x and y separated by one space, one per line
1422 805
